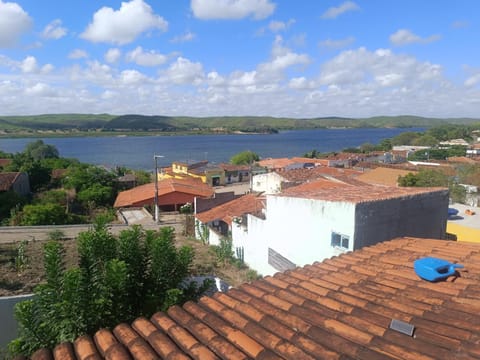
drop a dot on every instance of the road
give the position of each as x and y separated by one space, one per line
9 234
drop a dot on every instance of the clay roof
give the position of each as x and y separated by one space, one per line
276 163
4 162
340 308
231 167
246 204
383 176
317 172
321 190
165 186
7 179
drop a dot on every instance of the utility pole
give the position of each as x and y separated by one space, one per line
155 157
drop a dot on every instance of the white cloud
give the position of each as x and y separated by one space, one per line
183 71
301 83
277 26
40 90
150 58
29 65
337 44
78 54
14 22
124 25
187 36
54 30
112 55
132 77
472 80
405 37
231 9
334 12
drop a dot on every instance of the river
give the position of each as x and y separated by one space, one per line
136 152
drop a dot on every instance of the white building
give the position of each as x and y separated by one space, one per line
310 222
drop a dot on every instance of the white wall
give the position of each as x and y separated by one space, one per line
8 324
269 183
298 229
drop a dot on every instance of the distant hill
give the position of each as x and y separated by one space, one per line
225 124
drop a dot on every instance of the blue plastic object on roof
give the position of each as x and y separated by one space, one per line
434 269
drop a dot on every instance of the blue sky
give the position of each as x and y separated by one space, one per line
300 58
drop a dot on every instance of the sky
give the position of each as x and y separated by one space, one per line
282 58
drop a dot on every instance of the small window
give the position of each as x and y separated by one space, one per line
339 240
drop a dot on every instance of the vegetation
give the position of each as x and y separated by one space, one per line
75 197
434 178
244 158
94 124
118 279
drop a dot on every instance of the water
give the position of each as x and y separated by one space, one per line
136 152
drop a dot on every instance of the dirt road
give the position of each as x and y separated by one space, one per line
9 234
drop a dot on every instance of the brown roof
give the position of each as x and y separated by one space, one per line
322 190
246 204
341 308
7 179
231 167
317 172
4 162
145 192
383 176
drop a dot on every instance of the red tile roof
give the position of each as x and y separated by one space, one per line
146 192
4 162
321 190
246 204
341 308
317 172
7 179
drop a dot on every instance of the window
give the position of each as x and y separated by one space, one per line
339 240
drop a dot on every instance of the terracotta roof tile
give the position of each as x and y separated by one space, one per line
246 204
146 193
320 190
328 310
7 179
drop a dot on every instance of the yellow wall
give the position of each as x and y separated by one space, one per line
464 233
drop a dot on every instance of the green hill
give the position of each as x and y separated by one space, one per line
157 123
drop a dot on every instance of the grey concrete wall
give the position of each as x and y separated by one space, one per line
8 324
422 215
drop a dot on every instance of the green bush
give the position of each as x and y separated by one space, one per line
118 279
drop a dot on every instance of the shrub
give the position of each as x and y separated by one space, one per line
118 279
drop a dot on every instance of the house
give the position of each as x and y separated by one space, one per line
473 150
127 181
4 163
218 220
383 176
274 182
236 173
172 193
15 181
368 304
321 219
209 173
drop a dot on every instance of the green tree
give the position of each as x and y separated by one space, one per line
244 158
118 279
43 214
405 138
38 150
424 178
97 195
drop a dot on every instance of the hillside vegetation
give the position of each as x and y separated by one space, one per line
58 124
